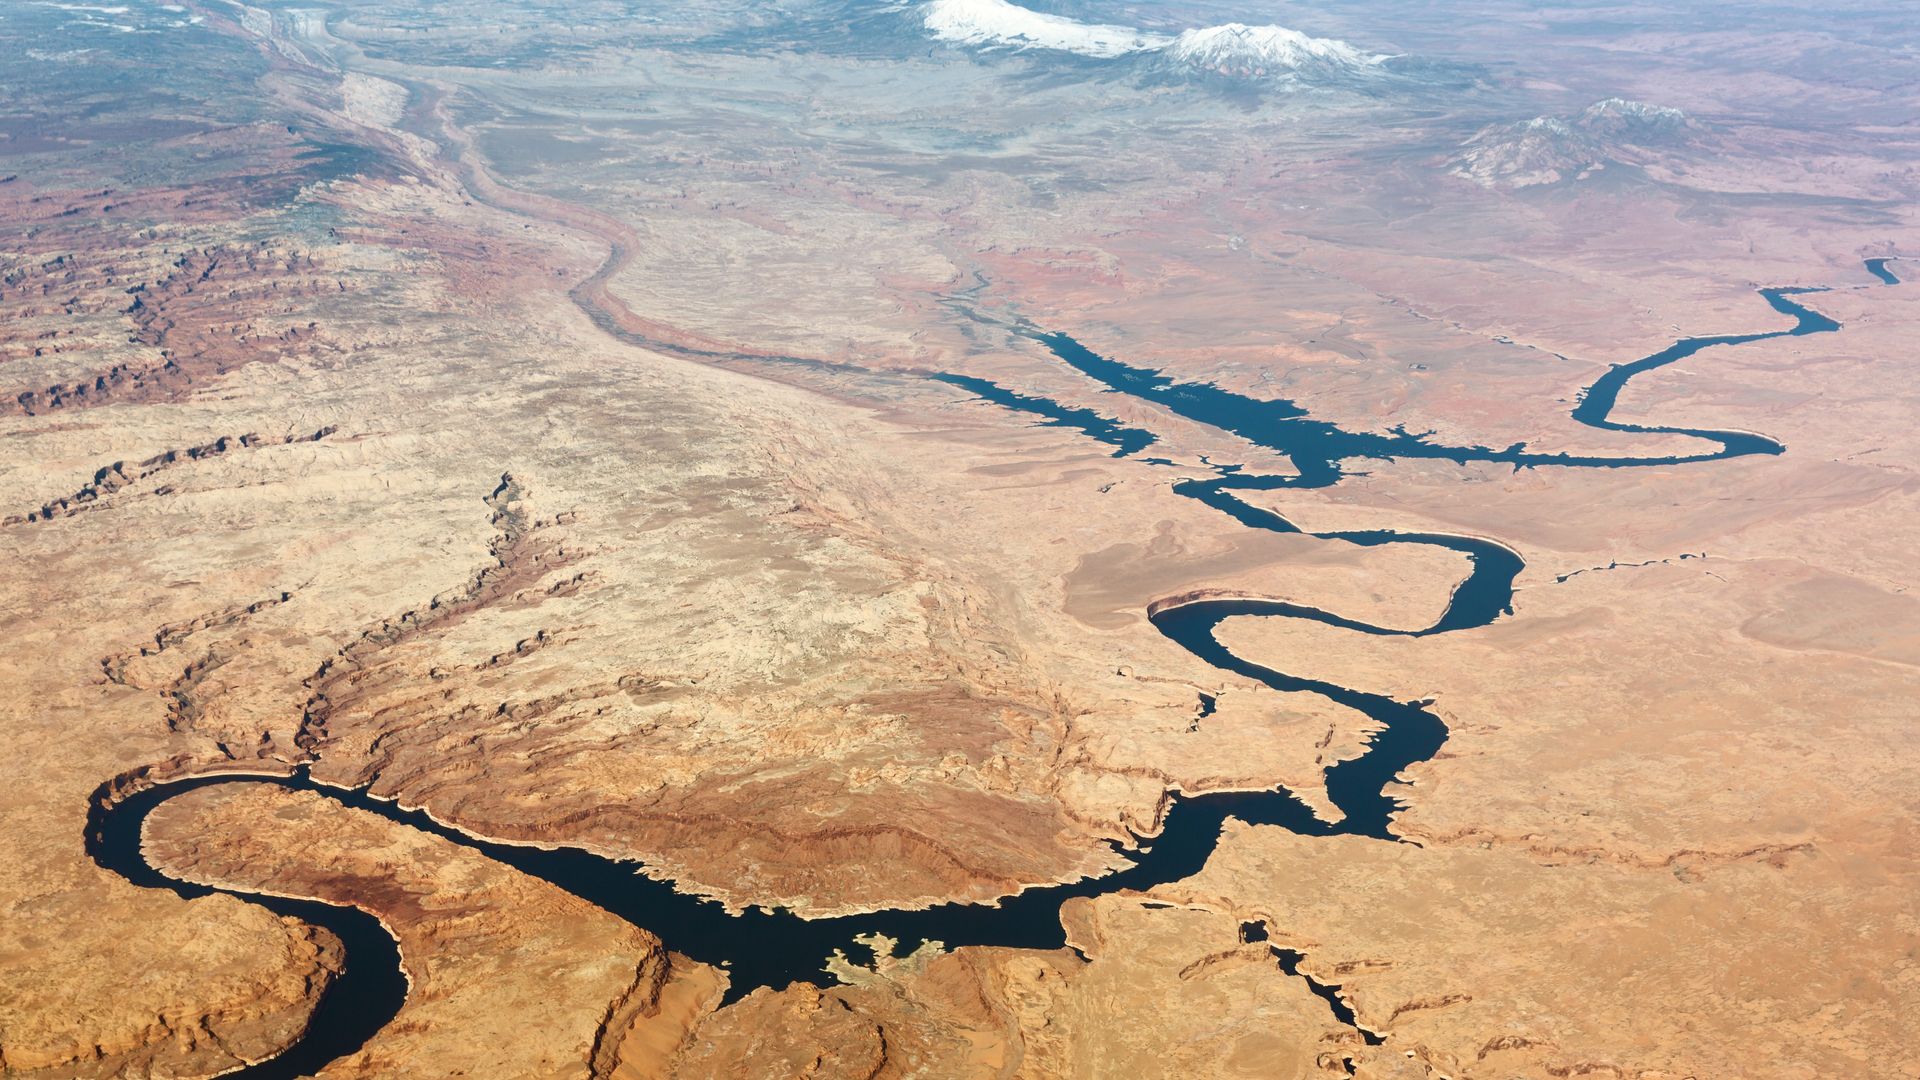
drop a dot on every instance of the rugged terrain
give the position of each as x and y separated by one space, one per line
581 428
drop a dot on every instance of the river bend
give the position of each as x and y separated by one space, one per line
772 948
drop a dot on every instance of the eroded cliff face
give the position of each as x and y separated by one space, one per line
507 975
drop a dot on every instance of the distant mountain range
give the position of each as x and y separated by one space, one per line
1552 149
999 24
1233 51
1239 51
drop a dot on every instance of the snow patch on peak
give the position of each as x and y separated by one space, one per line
1618 116
1000 23
1233 50
1550 149
1243 51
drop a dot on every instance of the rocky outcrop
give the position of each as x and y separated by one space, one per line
209 311
111 479
235 1017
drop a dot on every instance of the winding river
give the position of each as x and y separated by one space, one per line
772 948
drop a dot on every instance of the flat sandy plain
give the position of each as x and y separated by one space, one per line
525 414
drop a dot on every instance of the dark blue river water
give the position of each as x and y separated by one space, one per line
773 948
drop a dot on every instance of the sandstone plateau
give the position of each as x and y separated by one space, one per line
872 540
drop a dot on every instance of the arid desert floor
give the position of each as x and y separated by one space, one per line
952 539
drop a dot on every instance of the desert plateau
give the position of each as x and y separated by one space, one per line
884 539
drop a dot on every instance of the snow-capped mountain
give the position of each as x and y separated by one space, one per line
1003 24
1233 51
1550 149
1239 51
1634 121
